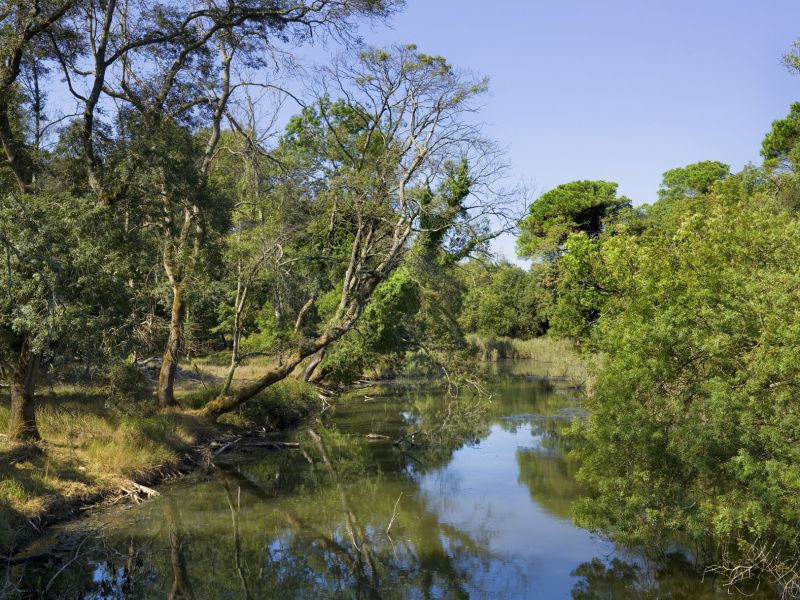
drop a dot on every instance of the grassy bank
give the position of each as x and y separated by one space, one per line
559 357
94 447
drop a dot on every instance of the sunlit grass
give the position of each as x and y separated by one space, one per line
89 449
92 444
559 357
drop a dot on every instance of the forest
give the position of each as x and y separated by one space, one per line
192 244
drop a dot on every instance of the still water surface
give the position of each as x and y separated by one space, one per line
486 515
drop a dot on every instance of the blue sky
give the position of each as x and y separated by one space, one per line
620 90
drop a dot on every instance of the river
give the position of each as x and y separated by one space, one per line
479 510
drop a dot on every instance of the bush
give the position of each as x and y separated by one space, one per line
281 405
129 388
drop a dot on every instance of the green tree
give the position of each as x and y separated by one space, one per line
500 301
693 414
371 180
692 180
568 208
780 147
62 293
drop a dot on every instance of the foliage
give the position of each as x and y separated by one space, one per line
500 301
694 412
63 268
691 180
384 331
283 405
568 208
780 147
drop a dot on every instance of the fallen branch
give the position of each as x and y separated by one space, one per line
394 514
273 445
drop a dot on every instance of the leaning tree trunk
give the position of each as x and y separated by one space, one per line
310 373
22 425
169 364
225 402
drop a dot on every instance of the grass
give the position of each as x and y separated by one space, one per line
88 451
93 443
559 357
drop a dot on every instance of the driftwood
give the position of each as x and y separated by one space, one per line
273 445
135 492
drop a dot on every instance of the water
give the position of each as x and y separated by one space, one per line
482 513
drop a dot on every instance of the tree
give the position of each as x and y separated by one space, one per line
568 208
780 147
693 415
500 301
692 180
397 133
153 83
22 344
792 58
173 70
62 285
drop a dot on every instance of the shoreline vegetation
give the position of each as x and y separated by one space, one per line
93 453
560 357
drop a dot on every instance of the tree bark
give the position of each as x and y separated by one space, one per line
169 364
22 425
312 366
225 403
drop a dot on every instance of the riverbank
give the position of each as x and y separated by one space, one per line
98 448
560 357
95 451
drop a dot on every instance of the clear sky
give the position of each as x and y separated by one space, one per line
620 90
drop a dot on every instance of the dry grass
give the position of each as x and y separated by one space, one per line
558 357
88 451
92 445
210 372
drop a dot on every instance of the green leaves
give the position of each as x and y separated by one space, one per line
569 208
780 147
501 301
692 180
694 415
62 273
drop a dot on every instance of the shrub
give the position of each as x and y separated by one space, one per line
282 405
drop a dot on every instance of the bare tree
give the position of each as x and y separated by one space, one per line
414 116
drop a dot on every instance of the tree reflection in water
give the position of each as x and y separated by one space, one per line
548 471
290 527
348 517
670 576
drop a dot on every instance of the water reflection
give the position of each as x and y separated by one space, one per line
548 471
481 512
671 576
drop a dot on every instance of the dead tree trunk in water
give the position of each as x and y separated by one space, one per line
22 424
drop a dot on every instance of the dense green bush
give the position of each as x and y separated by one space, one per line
695 416
282 405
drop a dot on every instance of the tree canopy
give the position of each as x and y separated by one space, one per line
568 208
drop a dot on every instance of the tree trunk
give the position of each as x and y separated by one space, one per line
227 402
169 365
22 425
312 366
